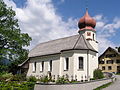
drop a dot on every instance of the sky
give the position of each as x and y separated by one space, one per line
46 20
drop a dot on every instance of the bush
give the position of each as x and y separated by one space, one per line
62 80
4 76
19 77
32 79
13 85
98 74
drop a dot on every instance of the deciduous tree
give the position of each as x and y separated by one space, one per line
12 40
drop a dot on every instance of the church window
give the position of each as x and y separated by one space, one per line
50 65
34 66
42 66
80 63
93 36
66 64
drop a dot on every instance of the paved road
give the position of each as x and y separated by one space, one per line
84 86
115 85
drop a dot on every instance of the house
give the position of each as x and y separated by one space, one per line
23 67
109 61
75 57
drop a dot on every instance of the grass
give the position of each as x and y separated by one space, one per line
117 73
103 86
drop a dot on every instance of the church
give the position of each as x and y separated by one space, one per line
75 57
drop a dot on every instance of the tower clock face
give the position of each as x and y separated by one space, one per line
88 33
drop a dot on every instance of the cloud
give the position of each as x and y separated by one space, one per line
106 30
41 21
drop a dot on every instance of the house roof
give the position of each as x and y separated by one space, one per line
23 62
76 42
110 48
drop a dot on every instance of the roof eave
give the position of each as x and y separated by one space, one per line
62 51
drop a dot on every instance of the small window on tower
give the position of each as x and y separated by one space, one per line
88 34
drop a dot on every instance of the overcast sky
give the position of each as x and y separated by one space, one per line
46 20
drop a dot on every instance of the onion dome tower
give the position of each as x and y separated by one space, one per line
86 22
86 26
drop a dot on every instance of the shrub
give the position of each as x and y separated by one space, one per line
32 79
19 77
45 79
14 85
62 80
4 76
98 74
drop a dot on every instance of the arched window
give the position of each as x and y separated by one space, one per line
66 64
50 65
34 66
41 66
93 36
80 62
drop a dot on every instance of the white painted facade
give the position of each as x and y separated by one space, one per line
90 63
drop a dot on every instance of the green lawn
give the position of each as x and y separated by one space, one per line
103 86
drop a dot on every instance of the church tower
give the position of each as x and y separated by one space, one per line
86 26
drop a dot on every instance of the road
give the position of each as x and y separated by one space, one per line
115 85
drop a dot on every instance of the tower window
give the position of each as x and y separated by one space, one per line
88 34
80 63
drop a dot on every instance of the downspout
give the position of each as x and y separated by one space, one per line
87 64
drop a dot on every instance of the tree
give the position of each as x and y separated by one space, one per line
12 40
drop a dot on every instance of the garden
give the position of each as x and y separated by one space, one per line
9 81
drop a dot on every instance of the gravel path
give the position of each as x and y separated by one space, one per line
115 85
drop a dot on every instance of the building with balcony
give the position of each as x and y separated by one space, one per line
109 61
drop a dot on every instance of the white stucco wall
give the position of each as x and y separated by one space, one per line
67 54
46 59
58 64
80 73
93 62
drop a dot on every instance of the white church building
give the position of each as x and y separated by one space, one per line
75 56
